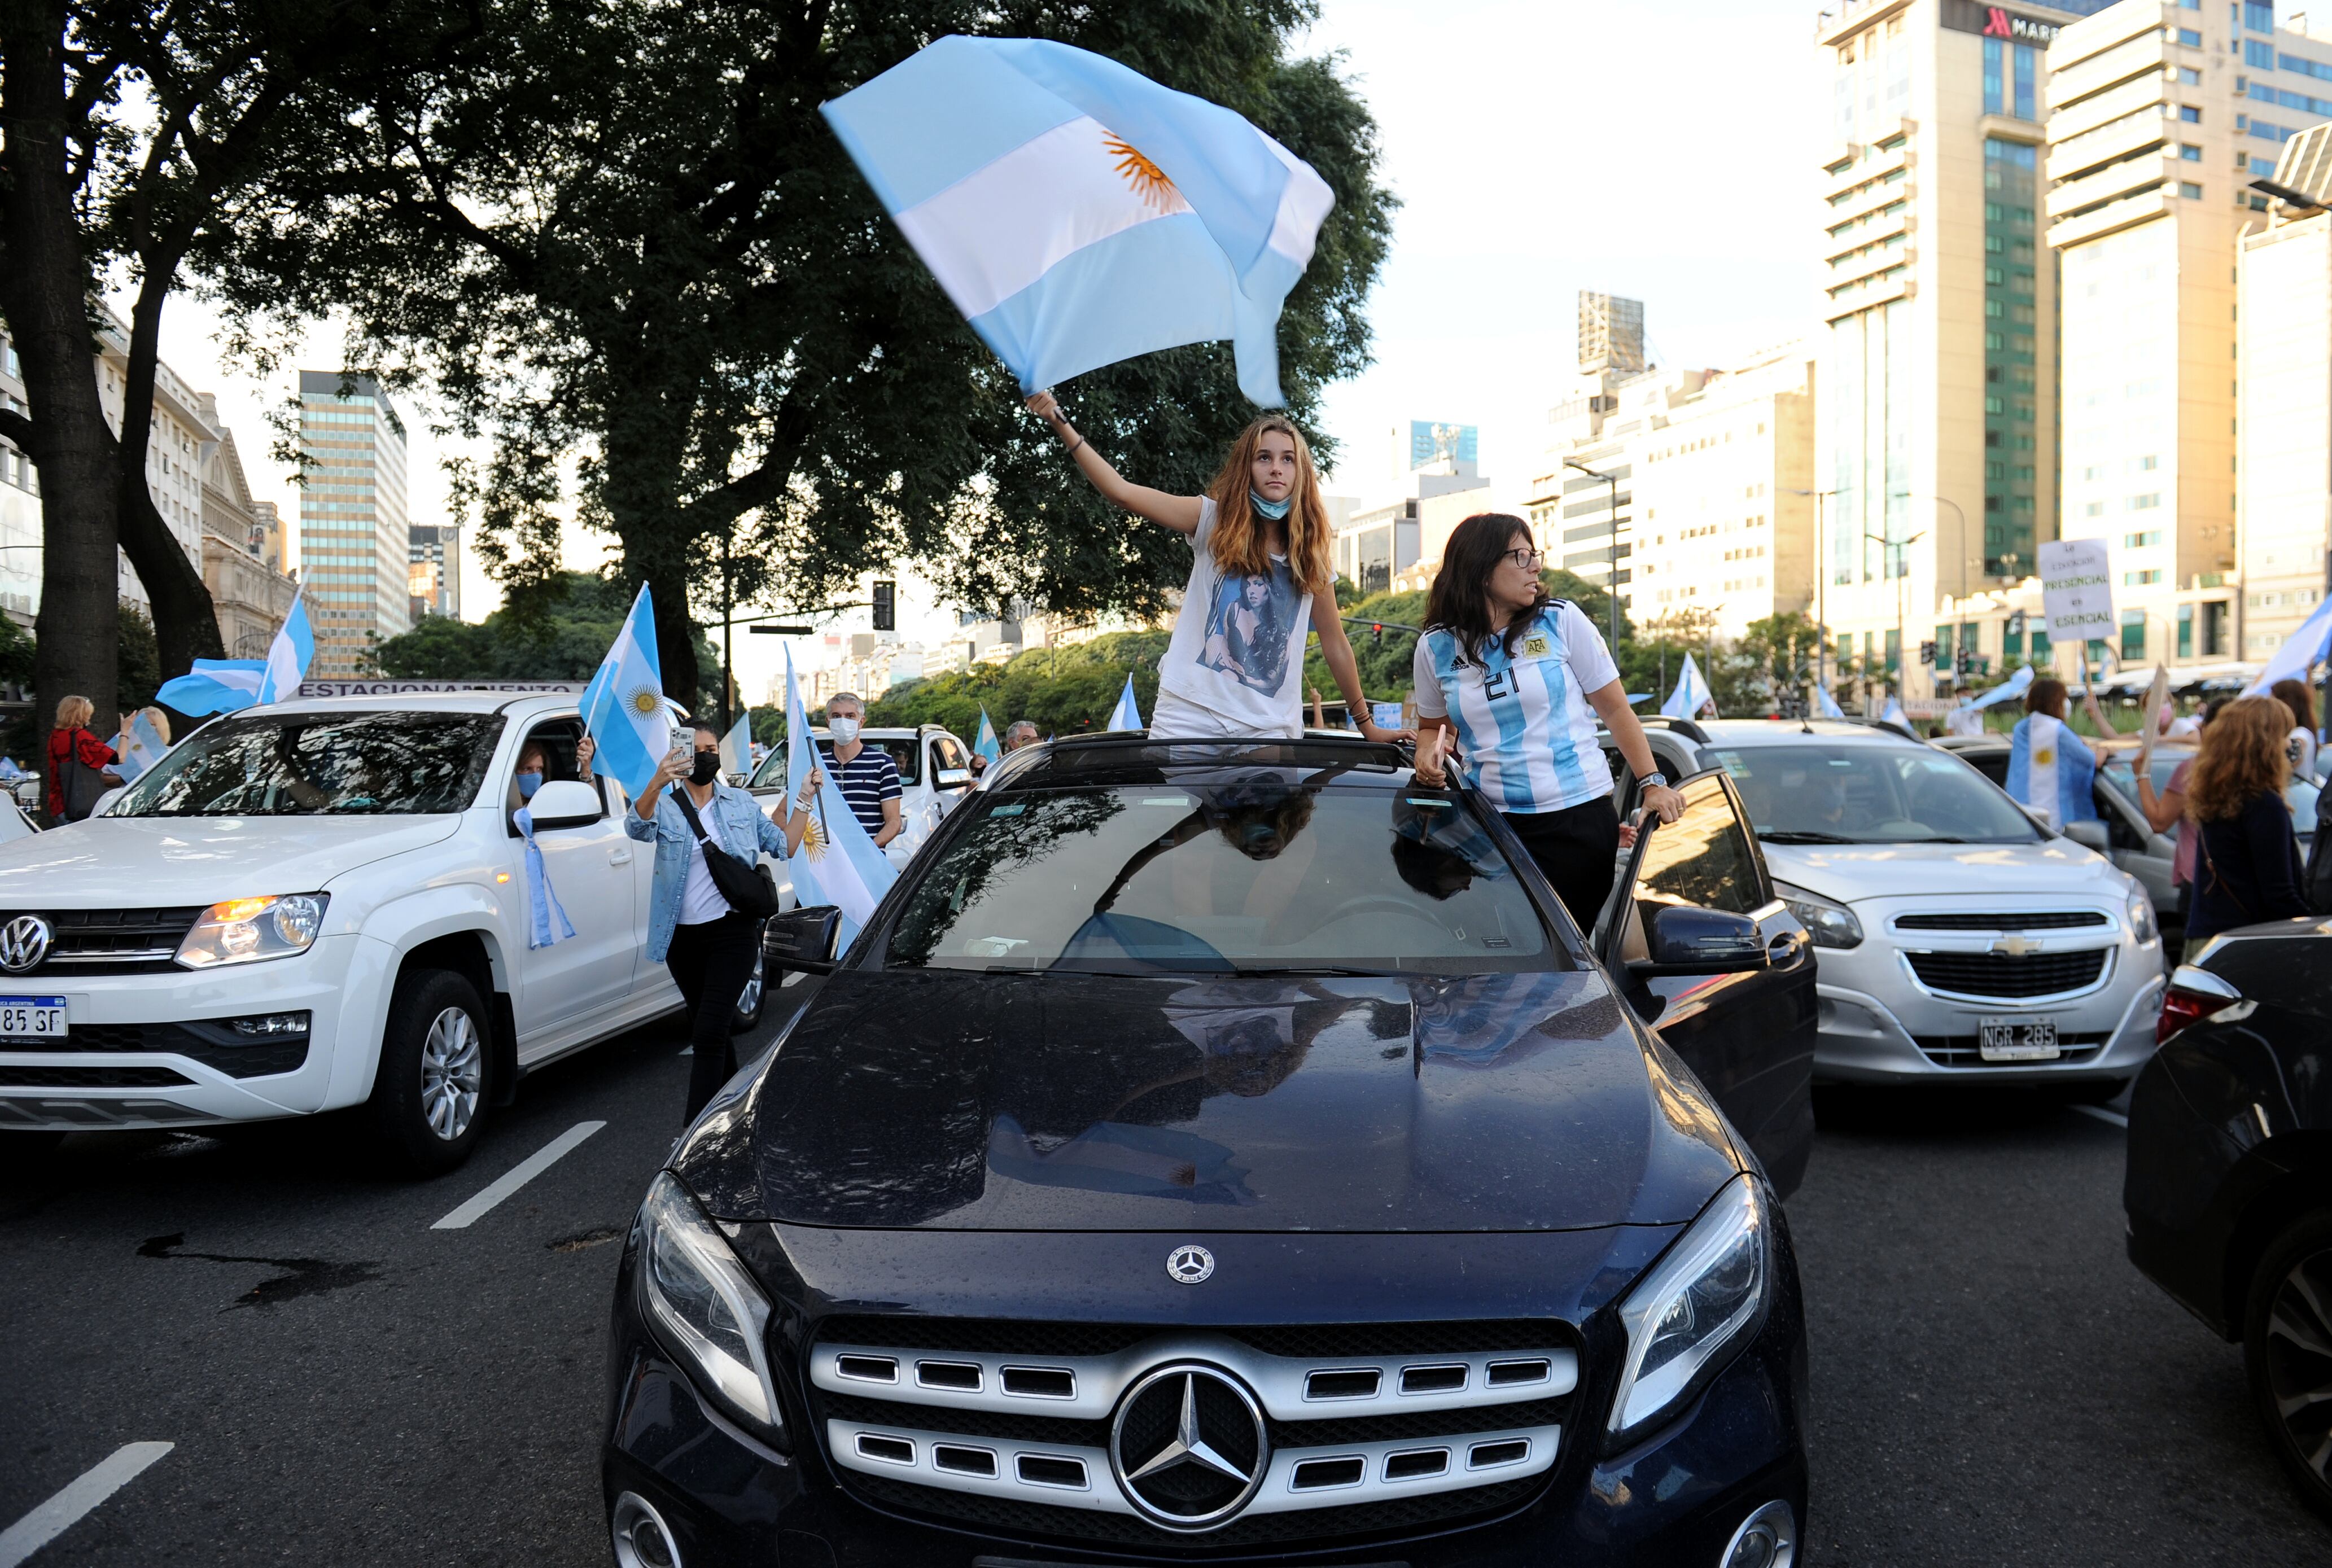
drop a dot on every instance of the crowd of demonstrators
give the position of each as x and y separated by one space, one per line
1521 679
866 775
79 763
708 946
2246 856
1259 557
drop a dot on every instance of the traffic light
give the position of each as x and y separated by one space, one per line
1376 634
886 606
1965 662
1928 652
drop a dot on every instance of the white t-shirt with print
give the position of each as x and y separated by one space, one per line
1238 648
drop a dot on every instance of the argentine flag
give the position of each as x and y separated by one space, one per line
1894 713
1079 213
1825 705
624 706
1691 693
2297 653
737 747
1128 716
985 747
838 863
224 685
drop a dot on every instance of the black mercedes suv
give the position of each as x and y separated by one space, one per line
1232 1153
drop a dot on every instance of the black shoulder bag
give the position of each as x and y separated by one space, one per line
749 888
83 786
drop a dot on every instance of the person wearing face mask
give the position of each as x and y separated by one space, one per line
866 774
691 931
533 768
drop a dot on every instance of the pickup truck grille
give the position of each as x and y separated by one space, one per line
91 942
215 1043
1998 974
1364 1428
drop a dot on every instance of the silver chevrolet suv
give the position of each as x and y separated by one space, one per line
1958 940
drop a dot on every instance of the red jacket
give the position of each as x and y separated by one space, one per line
94 753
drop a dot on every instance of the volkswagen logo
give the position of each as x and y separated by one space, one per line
1188 1447
24 942
1184 1265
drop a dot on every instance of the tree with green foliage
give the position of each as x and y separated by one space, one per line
1065 690
632 240
557 629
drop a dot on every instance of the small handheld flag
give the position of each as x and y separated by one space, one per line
1691 694
737 747
1079 213
838 863
624 706
1894 713
139 750
1128 715
985 747
1825 705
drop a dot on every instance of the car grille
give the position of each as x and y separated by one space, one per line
969 1402
2018 920
215 1043
1999 974
88 1077
86 942
1967 1051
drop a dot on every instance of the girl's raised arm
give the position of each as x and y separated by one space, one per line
1179 512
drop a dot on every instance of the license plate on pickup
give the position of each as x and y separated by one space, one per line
2017 1039
32 1018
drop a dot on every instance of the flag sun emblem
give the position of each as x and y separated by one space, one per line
644 699
1148 180
812 842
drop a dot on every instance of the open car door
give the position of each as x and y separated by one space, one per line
1721 968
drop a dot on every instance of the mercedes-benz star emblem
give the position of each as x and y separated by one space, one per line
24 942
1190 1265
1188 1447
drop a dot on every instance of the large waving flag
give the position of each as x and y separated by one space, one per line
1128 715
2016 686
1079 213
624 706
1691 694
224 685
2296 654
838 863
987 747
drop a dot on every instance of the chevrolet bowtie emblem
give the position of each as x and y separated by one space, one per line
2016 947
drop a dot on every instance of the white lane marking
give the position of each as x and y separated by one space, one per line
2102 1114
62 1512
518 1176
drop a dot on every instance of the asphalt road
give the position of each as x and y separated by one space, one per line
343 1383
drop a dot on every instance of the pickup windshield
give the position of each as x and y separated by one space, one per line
1226 877
365 764
1810 793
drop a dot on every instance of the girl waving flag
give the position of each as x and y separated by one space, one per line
2051 768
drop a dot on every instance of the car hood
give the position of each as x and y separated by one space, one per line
2057 867
951 1101
109 862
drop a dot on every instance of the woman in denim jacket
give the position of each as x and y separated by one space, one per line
691 931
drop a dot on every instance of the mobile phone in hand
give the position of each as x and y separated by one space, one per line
680 758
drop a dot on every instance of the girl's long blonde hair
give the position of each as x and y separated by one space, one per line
1241 543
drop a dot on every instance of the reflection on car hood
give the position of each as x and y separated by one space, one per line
952 1101
112 862
2058 867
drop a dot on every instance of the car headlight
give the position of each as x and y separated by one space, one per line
1829 924
705 1308
247 930
2141 914
1698 1304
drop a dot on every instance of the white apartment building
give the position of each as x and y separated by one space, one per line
2162 112
355 538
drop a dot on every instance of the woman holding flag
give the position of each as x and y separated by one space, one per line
2051 770
708 946
1259 540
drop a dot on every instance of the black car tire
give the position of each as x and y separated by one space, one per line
429 1092
750 1000
2281 1368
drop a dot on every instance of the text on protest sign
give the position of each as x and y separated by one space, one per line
2076 589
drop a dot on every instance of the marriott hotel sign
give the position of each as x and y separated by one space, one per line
1997 22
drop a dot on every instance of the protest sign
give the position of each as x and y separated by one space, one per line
2077 591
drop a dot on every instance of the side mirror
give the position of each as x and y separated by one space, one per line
1683 940
802 940
2089 836
952 778
564 803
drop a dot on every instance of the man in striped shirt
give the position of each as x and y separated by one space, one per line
869 779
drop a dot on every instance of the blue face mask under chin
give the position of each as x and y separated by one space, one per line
1274 509
528 783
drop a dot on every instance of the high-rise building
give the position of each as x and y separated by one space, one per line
1611 333
1938 418
2161 114
438 548
355 549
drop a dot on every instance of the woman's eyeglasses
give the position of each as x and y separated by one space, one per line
1528 559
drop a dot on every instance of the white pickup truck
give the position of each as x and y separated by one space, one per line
322 905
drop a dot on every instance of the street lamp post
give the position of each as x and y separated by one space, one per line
1959 636
1821 586
1902 653
1611 583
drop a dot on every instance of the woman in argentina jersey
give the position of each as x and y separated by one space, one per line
1521 679
1259 541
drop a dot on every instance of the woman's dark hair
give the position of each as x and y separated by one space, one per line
1460 600
694 722
2046 695
2293 694
2214 708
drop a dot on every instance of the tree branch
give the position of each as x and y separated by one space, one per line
16 428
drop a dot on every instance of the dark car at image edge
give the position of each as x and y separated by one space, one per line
1230 1152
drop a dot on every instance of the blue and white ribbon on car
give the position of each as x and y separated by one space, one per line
546 922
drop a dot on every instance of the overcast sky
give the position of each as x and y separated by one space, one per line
1660 150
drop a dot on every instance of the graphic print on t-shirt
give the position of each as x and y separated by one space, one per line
1247 628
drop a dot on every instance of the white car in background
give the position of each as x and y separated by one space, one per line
1958 941
935 773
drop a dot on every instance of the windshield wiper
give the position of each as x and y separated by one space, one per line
1793 836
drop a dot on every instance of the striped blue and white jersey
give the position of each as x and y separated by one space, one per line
1524 728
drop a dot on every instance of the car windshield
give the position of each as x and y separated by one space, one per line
1813 793
904 750
1234 874
364 764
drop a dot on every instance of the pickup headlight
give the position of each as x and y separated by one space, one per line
2141 914
1829 924
247 930
1693 1310
705 1307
